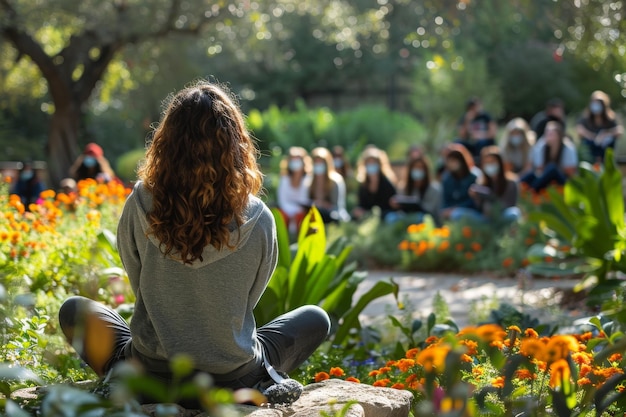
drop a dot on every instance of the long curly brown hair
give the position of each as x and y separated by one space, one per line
200 167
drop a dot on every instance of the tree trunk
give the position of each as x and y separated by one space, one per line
62 146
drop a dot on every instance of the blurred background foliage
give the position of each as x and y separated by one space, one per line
309 72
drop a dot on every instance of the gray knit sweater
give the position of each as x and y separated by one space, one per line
205 309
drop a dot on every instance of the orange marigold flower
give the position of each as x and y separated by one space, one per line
466 358
477 371
498 382
471 345
336 371
385 370
581 358
559 373
405 364
616 357
353 379
321 376
47 194
476 247
404 245
559 347
531 333
583 381
398 385
533 348
381 382
525 262
466 231
412 353
374 373
416 228
431 339
514 329
525 374
433 359
507 262
585 337
491 332
459 247
443 246
469 256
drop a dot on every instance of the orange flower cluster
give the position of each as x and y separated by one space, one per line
548 359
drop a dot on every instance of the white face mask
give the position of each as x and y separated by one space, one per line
295 165
491 169
338 162
417 174
516 140
319 168
372 169
596 107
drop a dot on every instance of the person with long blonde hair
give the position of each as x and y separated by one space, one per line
199 248
328 188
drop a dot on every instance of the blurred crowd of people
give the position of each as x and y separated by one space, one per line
475 177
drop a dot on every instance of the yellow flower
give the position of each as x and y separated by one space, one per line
433 358
559 373
498 382
533 348
559 347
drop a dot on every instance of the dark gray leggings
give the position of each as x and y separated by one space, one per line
287 340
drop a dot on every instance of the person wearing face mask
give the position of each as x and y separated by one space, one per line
327 191
293 187
28 185
455 183
554 111
516 143
92 164
420 195
598 128
554 159
376 183
496 196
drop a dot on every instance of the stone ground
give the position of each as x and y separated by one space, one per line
471 297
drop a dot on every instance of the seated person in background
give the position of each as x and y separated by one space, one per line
328 189
516 144
28 185
92 164
496 196
376 183
455 183
293 187
554 159
476 128
599 127
420 194
553 112
342 164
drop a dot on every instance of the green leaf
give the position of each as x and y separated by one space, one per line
12 409
17 374
351 318
611 181
282 234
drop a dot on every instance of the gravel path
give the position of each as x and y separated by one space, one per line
470 298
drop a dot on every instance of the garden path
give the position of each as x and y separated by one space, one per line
470 298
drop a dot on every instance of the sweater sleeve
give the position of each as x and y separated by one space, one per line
268 260
126 244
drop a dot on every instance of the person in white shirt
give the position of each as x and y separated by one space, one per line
554 159
293 187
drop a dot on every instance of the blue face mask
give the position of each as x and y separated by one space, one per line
89 161
295 165
491 169
319 168
27 175
417 174
596 107
338 162
372 169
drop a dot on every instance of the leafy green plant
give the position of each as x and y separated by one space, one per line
589 216
317 274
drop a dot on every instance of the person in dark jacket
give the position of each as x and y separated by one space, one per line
456 181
